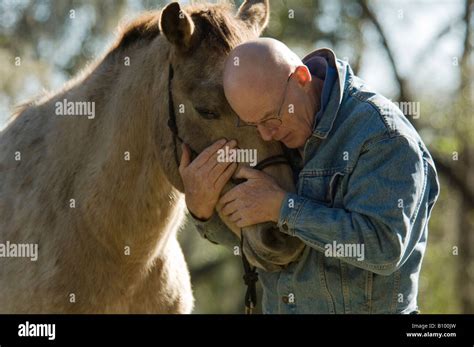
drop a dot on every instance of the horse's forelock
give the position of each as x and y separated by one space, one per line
217 23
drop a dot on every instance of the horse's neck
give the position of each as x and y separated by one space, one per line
133 203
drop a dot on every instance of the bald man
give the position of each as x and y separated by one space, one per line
365 189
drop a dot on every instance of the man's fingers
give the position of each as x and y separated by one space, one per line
185 157
217 171
228 197
230 208
234 217
214 163
225 176
219 167
204 156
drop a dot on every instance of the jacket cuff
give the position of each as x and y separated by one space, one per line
290 209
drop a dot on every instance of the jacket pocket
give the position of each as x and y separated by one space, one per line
322 186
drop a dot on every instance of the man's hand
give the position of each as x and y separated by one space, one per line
256 201
205 177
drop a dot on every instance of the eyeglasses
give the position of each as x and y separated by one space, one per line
269 123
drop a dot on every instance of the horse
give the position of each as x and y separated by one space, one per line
90 173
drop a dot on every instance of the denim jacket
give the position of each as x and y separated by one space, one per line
366 185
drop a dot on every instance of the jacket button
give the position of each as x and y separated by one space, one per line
284 226
285 299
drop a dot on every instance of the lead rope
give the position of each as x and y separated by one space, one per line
250 280
250 272
172 117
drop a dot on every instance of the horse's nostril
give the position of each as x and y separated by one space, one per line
271 235
271 228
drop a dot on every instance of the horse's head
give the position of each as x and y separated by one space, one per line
200 37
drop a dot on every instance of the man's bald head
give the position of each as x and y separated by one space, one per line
255 74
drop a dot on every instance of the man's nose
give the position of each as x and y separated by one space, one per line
265 133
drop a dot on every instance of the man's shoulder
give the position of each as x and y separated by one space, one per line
375 116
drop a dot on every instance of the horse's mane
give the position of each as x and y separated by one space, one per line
216 22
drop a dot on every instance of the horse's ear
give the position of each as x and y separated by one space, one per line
177 26
255 13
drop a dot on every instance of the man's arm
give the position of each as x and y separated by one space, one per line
386 193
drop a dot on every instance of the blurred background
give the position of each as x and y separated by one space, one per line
410 50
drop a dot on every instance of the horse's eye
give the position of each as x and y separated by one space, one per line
207 114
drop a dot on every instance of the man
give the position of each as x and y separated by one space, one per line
366 183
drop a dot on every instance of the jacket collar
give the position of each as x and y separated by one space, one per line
325 120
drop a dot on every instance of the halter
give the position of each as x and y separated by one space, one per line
250 273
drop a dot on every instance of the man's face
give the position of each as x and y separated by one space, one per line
279 116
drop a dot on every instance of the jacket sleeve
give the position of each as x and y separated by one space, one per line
215 231
386 205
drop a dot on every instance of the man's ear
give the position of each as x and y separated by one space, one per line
302 75
177 26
